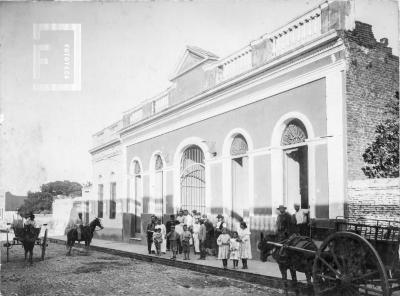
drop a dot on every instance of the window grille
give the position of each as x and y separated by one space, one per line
294 133
239 146
193 180
159 163
158 187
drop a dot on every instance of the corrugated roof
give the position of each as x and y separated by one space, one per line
13 201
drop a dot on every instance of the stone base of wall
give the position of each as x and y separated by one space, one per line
374 198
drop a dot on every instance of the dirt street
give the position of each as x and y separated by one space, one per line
104 274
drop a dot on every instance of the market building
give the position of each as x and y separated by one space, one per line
283 120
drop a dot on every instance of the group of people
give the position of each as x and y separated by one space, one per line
287 223
193 230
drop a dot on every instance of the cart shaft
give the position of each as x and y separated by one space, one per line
292 248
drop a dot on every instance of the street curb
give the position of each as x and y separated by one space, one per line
254 278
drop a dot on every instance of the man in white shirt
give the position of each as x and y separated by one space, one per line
31 221
300 217
188 220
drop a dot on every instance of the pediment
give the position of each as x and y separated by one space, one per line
192 57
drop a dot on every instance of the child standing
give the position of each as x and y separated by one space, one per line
158 239
185 240
234 250
223 243
173 238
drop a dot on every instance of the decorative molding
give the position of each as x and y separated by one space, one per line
293 64
244 100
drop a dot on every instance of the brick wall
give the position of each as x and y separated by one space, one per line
374 198
372 77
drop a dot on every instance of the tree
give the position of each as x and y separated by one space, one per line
36 202
382 155
41 201
67 188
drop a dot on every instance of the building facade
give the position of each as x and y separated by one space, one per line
284 120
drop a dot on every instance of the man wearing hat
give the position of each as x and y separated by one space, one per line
283 223
150 230
31 220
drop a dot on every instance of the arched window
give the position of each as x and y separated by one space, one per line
193 189
158 186
239 145
137 195
294 133
240 179
295 163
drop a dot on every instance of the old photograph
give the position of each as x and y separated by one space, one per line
199 147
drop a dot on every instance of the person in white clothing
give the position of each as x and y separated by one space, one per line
300 219
31 221
164 236
196 241
188 220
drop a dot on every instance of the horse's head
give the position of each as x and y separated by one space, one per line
96 222
266 249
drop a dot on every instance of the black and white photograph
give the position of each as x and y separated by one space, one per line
199 147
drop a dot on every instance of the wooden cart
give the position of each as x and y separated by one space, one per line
360 257
18 240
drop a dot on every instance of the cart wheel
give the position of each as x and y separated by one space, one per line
44 244
347 264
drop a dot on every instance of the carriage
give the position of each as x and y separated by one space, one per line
18 239
359 257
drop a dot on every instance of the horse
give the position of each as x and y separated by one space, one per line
289 259
28 240
86 235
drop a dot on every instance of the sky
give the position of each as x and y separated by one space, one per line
128 52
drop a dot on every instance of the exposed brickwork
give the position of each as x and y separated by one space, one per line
374 198
372 77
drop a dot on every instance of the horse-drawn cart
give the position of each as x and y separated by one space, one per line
24 234
360 257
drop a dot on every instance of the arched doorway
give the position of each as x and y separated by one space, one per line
240 179
295 164
192 179
158 187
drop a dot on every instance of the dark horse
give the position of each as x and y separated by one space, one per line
289 259
28 236
86 235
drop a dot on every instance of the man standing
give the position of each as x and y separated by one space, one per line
188 220
150 230
168 226
300 218
202 240
283 223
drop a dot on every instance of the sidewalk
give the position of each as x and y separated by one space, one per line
266 273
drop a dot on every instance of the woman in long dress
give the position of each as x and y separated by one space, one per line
164 235
196 230
245 247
